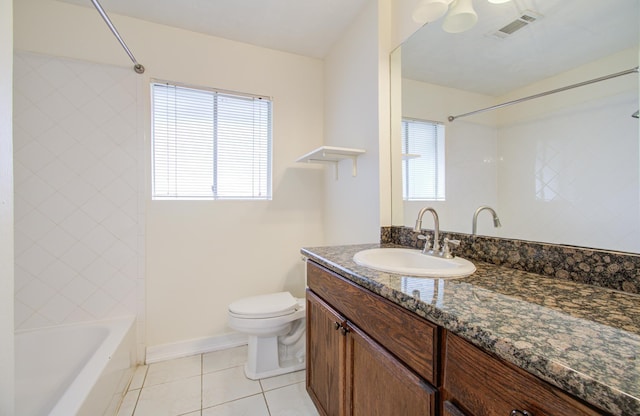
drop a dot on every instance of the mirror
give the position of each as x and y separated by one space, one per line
563 168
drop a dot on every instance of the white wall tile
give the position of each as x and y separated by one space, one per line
79 289
98 207
34 155
34 190
35 294
99 239
58 274
58 140
77 161
99 304
34 260
57 242
57 309
569 169
79 257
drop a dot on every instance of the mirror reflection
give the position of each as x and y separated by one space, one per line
563 168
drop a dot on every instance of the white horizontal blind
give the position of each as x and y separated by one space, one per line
210 144
423 166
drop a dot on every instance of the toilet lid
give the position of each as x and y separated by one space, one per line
265 306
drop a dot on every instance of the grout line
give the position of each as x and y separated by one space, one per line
144 380
135 406
266 403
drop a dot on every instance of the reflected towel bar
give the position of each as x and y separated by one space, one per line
136 67
542 94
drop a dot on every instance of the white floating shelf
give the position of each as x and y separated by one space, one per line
330 154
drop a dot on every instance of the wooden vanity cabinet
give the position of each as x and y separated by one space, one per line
477 384
367 356
351 373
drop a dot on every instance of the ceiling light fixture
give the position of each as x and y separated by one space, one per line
461 16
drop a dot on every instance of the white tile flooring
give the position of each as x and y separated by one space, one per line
213 384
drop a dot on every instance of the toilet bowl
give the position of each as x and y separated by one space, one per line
275 324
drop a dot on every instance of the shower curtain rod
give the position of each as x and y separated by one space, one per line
542 94
136 67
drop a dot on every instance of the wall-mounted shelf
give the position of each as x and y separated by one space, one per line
330 154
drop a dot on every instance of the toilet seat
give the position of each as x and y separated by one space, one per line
264 306
275 326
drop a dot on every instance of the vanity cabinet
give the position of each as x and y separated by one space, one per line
357 357
477 384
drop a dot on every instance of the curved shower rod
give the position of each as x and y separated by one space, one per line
136 66
542 94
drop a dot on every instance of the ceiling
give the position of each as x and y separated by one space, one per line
304 27
570 33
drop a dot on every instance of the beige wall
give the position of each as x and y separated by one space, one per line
357 74
6 210
203 255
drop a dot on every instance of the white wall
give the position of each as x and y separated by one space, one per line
203 255
356 73
6 211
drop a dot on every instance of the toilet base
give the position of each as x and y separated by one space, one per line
266 358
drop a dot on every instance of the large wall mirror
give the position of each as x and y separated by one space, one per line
563 168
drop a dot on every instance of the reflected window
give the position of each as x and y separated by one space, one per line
422 160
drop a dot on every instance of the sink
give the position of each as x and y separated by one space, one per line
413 262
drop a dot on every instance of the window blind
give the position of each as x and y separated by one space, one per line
423 170
210 144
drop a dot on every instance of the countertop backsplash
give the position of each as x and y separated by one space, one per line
608 269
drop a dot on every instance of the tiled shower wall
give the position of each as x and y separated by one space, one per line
79 219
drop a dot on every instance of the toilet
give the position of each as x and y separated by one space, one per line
275 324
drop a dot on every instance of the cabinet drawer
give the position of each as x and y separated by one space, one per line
483 385
410 338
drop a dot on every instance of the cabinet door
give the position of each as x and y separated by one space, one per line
326 349
380 385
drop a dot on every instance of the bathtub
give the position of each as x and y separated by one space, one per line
80 369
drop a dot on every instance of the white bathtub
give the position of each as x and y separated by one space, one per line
81 369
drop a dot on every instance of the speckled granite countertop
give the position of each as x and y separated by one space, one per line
583 339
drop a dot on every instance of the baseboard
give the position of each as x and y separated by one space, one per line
186 348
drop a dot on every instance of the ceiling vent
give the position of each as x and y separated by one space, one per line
527 18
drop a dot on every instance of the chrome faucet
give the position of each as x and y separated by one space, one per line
436 230
496 220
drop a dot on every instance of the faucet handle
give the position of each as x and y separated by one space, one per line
426 239
446 250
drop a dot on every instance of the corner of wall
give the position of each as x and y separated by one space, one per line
7 370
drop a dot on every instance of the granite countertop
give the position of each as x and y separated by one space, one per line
583 339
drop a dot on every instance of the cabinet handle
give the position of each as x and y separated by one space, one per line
345 330
516 412
337 325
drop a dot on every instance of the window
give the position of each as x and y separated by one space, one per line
210 144
422 161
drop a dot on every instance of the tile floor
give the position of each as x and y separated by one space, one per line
213 384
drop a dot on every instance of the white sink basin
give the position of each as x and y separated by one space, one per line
413 262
